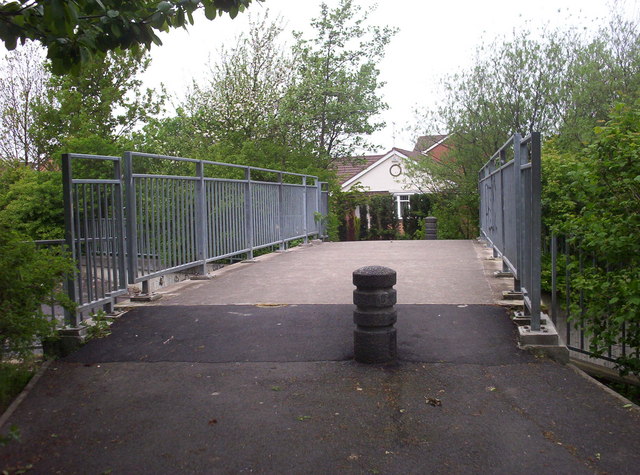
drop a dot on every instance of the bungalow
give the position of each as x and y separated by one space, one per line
386 173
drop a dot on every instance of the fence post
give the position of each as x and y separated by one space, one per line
248 211
536 231
281 235
71 319
316 213
132 231
121 273
519 208
201 217
304 209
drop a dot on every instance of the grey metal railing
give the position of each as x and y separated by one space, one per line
132 227
510 194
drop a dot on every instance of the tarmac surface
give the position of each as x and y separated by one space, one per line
220 378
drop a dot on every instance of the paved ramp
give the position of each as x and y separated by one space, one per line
212 379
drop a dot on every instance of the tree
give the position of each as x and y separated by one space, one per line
24 80
561 84
74 31
98 111
335 97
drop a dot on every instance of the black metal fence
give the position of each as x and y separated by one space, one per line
569 263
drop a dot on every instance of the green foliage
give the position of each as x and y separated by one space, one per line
13 378
31 203
296 109
29 278
342 205
598 207
413 218
97 112
79 31
99 327
561 83
384 218
334 99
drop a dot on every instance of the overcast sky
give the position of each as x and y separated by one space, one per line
434 38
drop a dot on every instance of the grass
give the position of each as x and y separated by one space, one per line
13 379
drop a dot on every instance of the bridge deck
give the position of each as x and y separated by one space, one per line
429 272
206 381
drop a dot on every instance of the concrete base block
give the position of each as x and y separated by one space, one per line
248 261
316 241
547 335
501 274
145 297
201 277
511 295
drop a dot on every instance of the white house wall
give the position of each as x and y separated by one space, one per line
378 178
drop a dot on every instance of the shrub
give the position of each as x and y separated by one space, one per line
29 278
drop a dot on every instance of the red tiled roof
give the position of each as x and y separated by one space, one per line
425 142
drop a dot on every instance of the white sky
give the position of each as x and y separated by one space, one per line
434 38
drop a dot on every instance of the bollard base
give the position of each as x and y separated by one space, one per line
375 345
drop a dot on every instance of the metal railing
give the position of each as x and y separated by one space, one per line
569 264
132 227
510 220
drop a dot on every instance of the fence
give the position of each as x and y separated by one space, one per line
510 193
131 227
568 264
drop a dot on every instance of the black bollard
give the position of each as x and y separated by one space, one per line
374 339
431 228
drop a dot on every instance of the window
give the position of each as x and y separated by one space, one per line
402 205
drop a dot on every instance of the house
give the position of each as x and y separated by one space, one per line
386 173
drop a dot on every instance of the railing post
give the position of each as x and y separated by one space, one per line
248 211
281 234
316 223
519 208
304 209
201 217
132 231
536 231
71 319
120 279
554 278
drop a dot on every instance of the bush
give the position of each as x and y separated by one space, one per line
29 278
31 203
384 219
594 198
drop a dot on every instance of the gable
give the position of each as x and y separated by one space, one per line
386 174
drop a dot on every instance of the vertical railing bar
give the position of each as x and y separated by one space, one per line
79 246
554 278
581 298
567 251
100 239
130 203
71 281
87 245
249 212
535 232
200 217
